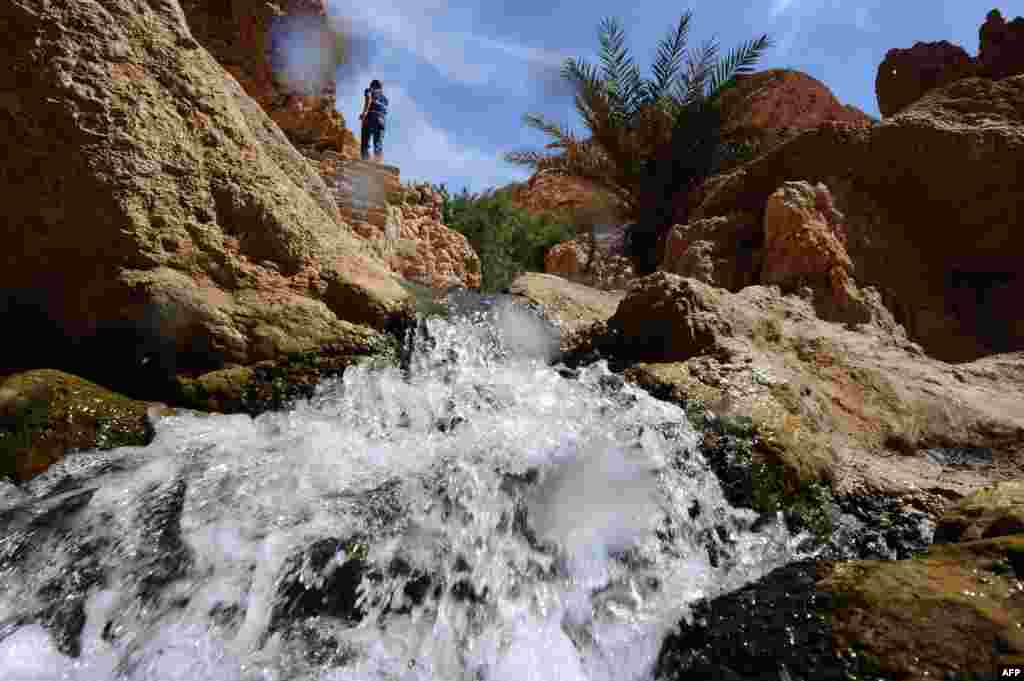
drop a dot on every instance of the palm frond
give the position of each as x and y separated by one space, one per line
738 62
669 60
621 76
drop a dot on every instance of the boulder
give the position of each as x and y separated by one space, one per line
805 245
951 613
44 414
284 55
767 106
905 75
572 306
859 407
157 216
994 511
1001 46
586 260
725 251
953 234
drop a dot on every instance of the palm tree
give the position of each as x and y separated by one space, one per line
649 138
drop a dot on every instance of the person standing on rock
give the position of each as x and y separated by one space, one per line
375 111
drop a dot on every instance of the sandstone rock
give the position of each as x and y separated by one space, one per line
427 251
155 212
1001 46
994 511
948 614
45 414
724 251
568 303
863 409
905 75
952 611
551 192
805 245
766 107
261 44
587 261
953 234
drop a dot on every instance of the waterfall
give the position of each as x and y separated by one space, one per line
477 514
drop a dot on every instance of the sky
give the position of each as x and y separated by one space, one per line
460 75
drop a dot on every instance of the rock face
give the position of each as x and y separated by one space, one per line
426 250
954 235
588 261
768 106
805 246
724 251
1001 46
284 56
825 390
156 212
551 192
905 75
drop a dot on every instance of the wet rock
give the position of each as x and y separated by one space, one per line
949 613
321 580
162 555
776 626
45 414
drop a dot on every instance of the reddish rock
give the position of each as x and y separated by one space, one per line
253 40
932 203
723 251
805 246
583 261
149 201
767 106
1001 46
907 74
550 192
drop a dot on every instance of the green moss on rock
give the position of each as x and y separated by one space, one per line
45 414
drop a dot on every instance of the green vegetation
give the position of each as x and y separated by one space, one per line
509 240
650 139
19 431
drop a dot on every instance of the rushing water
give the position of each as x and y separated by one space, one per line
510 522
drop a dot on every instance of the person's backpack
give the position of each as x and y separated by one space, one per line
378 105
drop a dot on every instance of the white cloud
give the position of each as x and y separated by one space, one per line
460 55
428 153
780 6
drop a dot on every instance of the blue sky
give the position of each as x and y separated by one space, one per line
461 74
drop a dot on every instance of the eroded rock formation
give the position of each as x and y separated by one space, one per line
941 247
157 215
284 55
769 106
905 75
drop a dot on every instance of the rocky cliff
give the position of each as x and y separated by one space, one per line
284 55
157 218
905 75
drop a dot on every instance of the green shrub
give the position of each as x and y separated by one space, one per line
509 240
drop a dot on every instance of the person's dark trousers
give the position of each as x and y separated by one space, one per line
372 130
